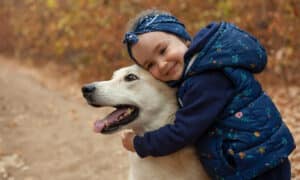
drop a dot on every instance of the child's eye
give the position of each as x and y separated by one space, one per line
162 51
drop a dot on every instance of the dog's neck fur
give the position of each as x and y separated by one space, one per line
168 111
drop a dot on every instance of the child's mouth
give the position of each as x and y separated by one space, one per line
172 70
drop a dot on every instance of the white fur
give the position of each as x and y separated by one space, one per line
157 104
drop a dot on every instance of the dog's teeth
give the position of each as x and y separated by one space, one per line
120 117
106 123
129 111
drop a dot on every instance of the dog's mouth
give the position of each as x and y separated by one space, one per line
124 114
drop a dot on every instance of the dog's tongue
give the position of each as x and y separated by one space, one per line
99 125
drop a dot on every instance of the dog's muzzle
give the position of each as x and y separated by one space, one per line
88 93
88 90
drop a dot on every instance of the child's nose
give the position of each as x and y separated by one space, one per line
162 66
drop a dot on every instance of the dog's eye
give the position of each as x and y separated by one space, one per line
131 77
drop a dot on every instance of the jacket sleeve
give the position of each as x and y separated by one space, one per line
202 103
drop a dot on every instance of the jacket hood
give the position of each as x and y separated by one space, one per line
228 47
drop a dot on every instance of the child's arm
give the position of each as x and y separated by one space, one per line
206 98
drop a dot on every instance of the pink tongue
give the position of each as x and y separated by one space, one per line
99 125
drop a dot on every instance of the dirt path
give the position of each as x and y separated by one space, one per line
46 135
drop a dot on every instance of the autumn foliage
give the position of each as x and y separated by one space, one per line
87 34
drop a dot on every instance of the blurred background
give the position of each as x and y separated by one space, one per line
87 34
66 43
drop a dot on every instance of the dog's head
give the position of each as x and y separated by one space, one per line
141 102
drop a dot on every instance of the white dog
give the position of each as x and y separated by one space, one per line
143 104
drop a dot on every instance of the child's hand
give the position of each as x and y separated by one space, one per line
127 140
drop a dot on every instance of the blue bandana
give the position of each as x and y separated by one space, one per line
155 22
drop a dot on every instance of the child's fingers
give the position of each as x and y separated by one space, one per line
126 133
123 136
127 138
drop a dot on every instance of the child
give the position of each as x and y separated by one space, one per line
237 130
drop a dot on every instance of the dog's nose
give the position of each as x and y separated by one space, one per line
88 89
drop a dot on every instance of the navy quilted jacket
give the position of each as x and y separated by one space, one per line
248 136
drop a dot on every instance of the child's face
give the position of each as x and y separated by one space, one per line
161 54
